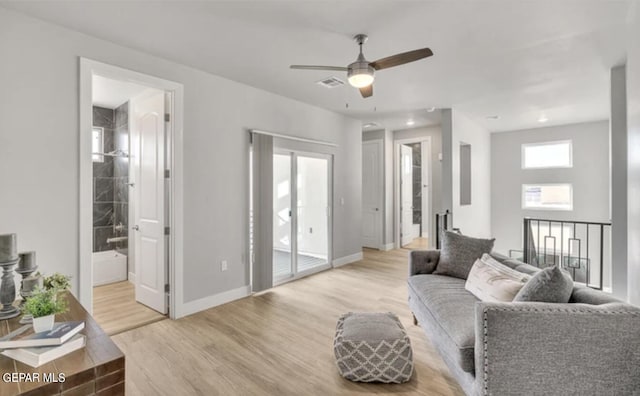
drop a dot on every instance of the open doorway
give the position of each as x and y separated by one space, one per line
126 281
413 193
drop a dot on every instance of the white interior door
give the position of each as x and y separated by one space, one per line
148 157
372 194
406 193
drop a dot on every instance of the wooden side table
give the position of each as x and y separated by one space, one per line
98 368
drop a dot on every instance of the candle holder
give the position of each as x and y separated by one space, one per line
8 291
26 292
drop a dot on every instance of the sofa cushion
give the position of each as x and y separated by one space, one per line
490 280
587 295
453 310
527 269
551 285
459 252
515 264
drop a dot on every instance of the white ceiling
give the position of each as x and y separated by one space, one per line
400 119
515 59
112 93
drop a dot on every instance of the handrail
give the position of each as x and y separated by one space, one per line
576 245
442 225
569 221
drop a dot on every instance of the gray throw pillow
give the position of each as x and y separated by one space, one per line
459 252
551 285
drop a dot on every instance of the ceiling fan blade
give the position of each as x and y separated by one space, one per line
366 91
309 67
401 59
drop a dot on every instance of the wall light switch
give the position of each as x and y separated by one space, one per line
224 265
342 201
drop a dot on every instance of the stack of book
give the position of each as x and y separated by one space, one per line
36 349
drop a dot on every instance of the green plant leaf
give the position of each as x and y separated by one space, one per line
45 302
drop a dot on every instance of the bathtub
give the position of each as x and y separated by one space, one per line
108 267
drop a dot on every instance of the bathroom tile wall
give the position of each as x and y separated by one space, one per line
110 178
417 182
103 215
121 174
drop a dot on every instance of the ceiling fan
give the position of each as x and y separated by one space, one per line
360 73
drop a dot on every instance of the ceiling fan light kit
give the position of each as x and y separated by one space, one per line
360 73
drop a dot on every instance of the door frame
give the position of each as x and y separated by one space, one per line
294 154
89 68
381 212
426 151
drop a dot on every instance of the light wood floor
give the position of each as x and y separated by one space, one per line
418 243
279 342
116 310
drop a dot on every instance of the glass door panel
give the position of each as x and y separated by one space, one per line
312 202
282 243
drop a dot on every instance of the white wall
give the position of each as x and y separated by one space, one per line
39 163
633 125
589 176
447 172
475 219
618 186
389 216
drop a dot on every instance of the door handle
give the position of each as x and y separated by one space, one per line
135 228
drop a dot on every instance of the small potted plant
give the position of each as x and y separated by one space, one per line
43 305
57 282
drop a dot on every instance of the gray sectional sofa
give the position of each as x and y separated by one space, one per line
590 346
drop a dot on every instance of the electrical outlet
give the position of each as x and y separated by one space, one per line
224 265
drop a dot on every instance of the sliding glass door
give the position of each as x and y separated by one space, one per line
301 210
312 209
282 216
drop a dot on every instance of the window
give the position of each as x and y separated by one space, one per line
547 196
547 155
97 144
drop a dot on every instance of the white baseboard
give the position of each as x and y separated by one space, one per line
201 304
425 235
132 278
352 258
388 246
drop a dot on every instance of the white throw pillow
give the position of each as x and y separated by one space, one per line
489 280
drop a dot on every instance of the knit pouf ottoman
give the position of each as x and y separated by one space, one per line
373 347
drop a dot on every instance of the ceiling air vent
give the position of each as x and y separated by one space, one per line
330 82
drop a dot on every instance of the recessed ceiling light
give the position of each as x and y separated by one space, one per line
370 125
543 118
411 122
493 117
